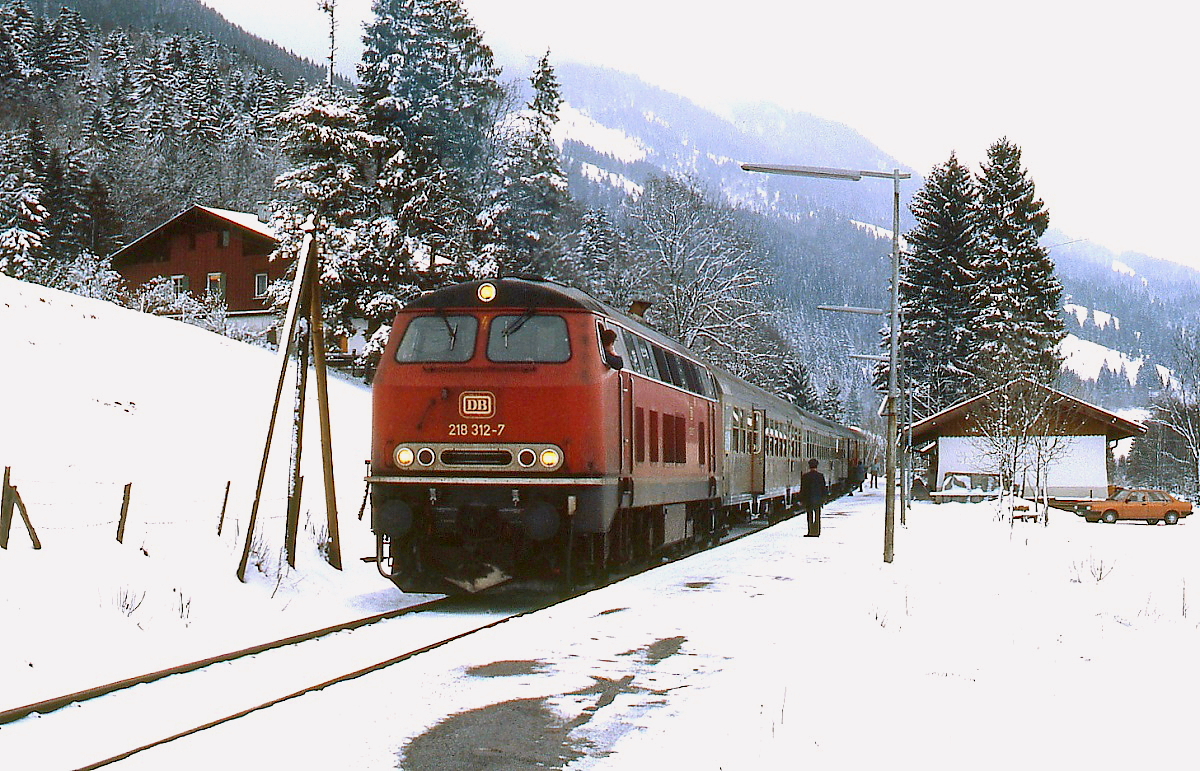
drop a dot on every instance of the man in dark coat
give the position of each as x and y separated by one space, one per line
812 496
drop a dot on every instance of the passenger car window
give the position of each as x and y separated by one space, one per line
438 338
529 338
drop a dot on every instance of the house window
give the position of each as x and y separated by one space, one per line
180 284
223 238
260 284
215 288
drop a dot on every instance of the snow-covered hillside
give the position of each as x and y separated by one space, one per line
1087 359
96 397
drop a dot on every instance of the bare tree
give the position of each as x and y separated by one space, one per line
1024 428
1177 409
703 271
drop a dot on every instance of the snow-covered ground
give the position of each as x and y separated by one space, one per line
984 644
94 397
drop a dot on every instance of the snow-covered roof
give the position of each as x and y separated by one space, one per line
248 222
242 219
1115 426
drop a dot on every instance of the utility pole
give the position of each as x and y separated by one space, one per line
892 399
305 287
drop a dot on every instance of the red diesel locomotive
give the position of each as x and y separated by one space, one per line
522 429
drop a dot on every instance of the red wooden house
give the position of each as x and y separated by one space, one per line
207 250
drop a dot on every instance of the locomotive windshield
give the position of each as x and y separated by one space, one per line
529 338
438 338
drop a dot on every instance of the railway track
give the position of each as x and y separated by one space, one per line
112 722
115 721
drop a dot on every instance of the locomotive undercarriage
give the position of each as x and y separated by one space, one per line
468 539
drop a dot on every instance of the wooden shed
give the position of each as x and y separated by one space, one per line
958 441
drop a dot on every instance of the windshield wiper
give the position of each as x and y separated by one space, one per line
516 324
452 329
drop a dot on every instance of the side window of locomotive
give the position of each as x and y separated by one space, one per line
633 358
675 364
695 377
438 338
529 338
647 357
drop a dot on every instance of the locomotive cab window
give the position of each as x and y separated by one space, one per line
438 338
529 337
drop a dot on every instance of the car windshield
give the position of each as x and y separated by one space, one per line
529 337
438 338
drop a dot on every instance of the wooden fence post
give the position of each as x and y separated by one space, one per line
37 544
6 508
224 503
124 514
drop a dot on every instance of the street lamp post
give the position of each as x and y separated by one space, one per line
889 515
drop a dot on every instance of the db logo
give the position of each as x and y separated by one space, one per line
476 404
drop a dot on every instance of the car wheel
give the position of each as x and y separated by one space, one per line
1110 516
1152 522
1172 517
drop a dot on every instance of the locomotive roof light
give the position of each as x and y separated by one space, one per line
404 457
486 292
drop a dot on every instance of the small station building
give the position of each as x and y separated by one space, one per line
1081 438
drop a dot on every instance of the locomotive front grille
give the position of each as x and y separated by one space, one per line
499 458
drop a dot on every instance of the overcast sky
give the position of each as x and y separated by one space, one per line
1101 96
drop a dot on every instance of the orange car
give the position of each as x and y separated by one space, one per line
1153 506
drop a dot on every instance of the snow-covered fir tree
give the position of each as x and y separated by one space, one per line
527 209
323 136
23 213
830 404
797 386
936 284
1017 296
429 87
594 258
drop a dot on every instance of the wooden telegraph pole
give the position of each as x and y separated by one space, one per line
305 301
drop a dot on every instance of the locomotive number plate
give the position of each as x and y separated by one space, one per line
478 430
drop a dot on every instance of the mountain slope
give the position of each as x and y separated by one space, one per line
180 15
623 130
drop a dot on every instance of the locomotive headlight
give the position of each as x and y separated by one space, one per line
486 292
404 456
425 456
550 457
526 457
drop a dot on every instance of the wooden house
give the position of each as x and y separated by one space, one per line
205 250
1077 438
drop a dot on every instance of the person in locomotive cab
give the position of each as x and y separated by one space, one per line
608 342
812 496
